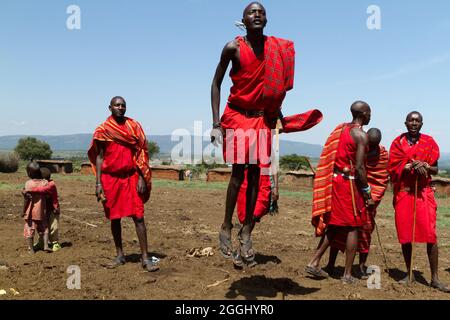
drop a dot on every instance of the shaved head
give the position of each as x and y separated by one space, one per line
250 4
374 135
414 113
359 107
361 111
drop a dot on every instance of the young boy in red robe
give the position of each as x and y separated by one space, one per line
413 159
34 211
119 156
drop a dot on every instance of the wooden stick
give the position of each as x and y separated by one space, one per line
352 191
83 222
310 165
381 247
414 230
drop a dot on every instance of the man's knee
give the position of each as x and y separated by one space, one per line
138 220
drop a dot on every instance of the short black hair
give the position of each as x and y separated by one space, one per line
33 170
414 112
46 173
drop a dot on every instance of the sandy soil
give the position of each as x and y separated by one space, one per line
179 219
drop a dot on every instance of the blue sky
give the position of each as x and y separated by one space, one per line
161 56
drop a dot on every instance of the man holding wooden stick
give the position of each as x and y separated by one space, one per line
413 159
341 190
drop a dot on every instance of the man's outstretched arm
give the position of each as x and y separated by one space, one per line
227 55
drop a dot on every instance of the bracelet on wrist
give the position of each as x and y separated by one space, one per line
367 189
216 125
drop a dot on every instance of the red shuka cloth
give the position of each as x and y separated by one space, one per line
296 123
262 201
323 182
342 213
125 154
378 178
402 153
259 85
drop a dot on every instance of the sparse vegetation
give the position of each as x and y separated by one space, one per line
294 162
9 162
32 148
153 148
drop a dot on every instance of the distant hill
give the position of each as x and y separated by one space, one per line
81 142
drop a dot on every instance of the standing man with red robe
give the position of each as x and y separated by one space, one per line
338 202
413 159
119 157
262 72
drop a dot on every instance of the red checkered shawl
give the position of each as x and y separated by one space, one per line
279 70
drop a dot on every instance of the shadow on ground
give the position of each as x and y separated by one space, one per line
398 275
264 259
261 286
135 258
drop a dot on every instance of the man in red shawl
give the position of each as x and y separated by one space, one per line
119 157
338 202
262 72
378 179
413 159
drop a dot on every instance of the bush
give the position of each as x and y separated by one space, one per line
153 148
294 162
9 162
32 148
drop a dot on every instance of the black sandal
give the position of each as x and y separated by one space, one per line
440 286
117 261
226 249
247 252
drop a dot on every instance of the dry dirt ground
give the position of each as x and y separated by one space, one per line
179 217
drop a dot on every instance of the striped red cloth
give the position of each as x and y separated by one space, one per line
322 188
133 137
378 174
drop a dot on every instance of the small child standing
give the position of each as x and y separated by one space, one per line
53 209
34 212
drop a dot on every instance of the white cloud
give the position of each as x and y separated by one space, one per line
404 70
17 123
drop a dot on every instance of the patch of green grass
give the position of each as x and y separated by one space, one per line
73 177
189 184
306 195
10 186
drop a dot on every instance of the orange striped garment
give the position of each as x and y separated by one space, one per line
133 137
322 189
377 174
